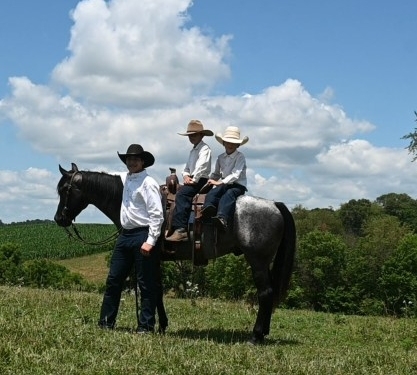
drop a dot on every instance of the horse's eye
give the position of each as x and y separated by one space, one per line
62 189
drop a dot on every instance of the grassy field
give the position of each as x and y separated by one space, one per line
54 332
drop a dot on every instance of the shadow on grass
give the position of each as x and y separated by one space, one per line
221 336
132 330
225 336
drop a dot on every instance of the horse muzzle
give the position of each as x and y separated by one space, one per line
62 221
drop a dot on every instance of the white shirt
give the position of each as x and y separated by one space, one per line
199 162
230 168
141 204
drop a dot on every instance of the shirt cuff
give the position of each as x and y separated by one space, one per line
151 241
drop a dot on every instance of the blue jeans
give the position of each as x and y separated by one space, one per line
224 198
183 203
126 254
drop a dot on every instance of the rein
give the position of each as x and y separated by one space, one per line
77 236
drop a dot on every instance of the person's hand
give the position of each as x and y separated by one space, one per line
146 249
188 180
214 182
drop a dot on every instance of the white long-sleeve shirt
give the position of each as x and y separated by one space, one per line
230 168
141 204
199 162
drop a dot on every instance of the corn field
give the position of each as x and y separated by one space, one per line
47 240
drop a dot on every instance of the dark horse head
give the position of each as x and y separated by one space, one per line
77 189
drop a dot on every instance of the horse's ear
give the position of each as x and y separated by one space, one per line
74 167
62 170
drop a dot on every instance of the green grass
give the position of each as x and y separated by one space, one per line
54 332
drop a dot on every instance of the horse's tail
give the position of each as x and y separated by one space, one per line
284 258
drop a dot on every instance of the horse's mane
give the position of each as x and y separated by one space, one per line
110 185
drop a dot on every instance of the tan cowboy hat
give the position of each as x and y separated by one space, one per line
137 150
231 135
196 126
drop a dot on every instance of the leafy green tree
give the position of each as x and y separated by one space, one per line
40 273
381 237
355 213
400 205
323 219
412 146
229 277
43 273
10 263
180 275
398 280
321 261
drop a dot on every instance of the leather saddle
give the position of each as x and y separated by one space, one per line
202 236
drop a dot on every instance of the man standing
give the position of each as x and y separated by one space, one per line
141 216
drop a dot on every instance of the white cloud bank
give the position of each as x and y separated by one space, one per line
136 73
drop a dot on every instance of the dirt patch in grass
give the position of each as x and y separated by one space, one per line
92 267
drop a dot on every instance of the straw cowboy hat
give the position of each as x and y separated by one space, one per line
137 150
231 135
196 126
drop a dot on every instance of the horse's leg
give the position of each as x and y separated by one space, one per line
160 308
262 279
162 316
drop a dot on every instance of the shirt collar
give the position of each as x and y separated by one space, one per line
232 155
199 145
136 175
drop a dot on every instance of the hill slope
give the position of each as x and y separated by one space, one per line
55 332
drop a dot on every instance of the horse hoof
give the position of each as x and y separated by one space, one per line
256 340
162 330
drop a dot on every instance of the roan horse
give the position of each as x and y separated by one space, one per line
263 231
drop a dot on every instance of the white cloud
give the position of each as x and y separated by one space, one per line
139 54
359 157
137 74
27 195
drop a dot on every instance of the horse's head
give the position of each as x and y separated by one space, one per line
71 198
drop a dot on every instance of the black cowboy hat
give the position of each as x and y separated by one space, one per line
137 150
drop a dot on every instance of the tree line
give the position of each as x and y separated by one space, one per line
36 221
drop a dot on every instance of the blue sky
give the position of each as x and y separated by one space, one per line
325 90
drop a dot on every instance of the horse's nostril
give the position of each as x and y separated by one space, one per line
60 220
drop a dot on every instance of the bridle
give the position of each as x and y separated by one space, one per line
67 195
77 236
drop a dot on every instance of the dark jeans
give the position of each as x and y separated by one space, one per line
183 203
224 198
126 255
